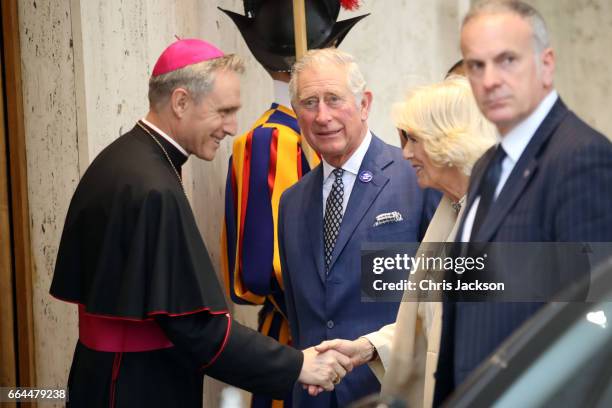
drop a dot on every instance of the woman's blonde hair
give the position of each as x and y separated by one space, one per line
446 119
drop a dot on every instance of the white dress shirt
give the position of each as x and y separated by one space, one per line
351 169
165 136
514 143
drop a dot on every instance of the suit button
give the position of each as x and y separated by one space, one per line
330 324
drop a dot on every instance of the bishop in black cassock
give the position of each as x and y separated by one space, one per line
152 317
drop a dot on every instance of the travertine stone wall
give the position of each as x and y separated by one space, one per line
581 31
52 165
86 65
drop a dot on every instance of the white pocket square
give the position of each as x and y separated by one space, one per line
386 218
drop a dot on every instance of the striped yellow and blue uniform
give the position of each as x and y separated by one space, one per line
265 161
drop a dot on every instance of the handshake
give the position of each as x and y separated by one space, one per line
326 364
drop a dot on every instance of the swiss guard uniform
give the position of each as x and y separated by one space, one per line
267 160
152 316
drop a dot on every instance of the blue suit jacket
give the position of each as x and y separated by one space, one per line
321 306
559 191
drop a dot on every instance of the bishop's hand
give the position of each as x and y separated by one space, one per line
322 371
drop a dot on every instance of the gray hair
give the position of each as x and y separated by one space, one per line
325 56
541 39
198 79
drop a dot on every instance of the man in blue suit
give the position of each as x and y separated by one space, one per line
362 191
548 180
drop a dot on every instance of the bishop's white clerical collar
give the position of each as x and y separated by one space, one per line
165 136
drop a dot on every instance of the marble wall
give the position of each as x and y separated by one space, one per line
580 31
52 167
85 69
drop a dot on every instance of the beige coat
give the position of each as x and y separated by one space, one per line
408 348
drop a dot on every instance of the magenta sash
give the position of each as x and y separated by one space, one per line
114 334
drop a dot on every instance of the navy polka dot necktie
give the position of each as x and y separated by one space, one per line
333 216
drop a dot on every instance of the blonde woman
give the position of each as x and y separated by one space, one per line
443 134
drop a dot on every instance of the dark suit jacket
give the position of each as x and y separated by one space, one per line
561 191
321 306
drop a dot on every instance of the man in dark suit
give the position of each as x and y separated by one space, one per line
362 191
548 180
